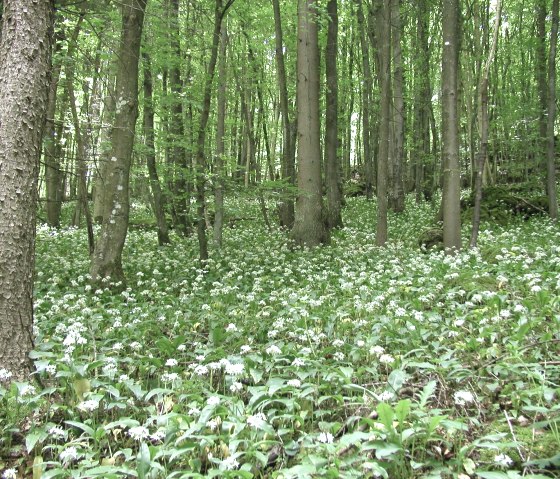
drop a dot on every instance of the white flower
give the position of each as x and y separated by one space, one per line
385 396
235 369
193 411
326 438
231 328
257 420
297 362
135 345
339 356
213 424
9 474
236 387
169 377
295 383
503 460
338 343
360 343
273 350
386 359
69 454
138 433
377 350
27 390
201 370
245 349
89 405
181 347
171 362
229 463
4 376
213 401
56 431
535 289
463 397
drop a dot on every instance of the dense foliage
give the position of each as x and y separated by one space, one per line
345 361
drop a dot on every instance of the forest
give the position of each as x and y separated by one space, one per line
279 239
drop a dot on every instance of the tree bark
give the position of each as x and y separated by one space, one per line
106 264
551 117
25 52
450 126
309 225
383 27
149 138
286 207
396 186
332 161
483 127
220 143
53 174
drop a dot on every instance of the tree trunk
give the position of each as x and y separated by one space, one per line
286 207
220 144
309 225
25 50
396 186
384 31
550 150
53 174
219 13
177 155
450 125
369 169
106 262
149 136
483 122
332 162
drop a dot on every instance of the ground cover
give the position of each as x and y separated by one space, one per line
345 361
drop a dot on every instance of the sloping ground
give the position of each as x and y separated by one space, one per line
348 361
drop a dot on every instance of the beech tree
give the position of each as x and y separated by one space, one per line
106 263
309 226
25 52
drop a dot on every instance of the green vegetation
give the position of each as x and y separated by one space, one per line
345 361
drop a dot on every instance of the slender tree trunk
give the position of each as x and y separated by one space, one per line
483 122
177 158
25 53
367 85
286 207
396 190
450 129
219 13
149 136
220 144
53 174
106 262
332 162
551 117
384 31
309 225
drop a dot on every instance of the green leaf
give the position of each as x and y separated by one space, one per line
385 413
385 449
396 379
402 410
33 438
80 425
143 460
426 394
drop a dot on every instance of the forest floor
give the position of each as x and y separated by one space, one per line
348 361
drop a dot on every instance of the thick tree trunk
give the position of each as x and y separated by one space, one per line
551 117
149 138
332 161
309 225
25 50
384 31
106 262
450 125
286 207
